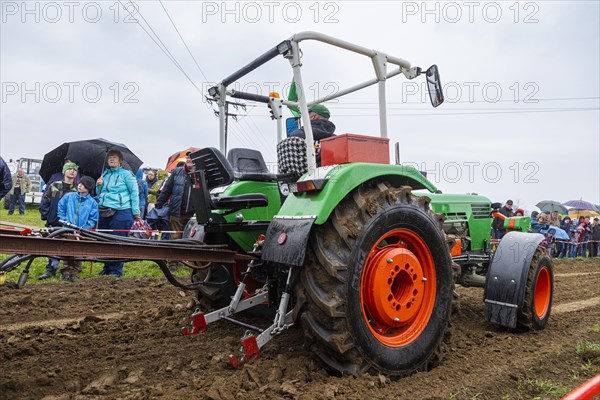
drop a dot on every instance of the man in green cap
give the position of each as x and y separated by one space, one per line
49 207
321 126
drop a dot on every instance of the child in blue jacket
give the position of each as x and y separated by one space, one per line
80 209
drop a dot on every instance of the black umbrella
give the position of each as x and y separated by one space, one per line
551 205
89 155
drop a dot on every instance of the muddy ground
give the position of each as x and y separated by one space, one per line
119 338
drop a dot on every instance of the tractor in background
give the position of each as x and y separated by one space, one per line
31 168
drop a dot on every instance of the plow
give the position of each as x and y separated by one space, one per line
361 254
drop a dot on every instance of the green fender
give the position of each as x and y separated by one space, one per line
341 180
246 240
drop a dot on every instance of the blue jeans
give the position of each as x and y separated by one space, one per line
573 250
562 249
14 199
52 265
122 219
585 247
594 248
499 233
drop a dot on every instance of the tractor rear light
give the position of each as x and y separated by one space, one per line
307 186
456 248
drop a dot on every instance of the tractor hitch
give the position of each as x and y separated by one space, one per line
249 344
197 325
249 350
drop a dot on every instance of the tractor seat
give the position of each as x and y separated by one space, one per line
240 202
213 170
249 165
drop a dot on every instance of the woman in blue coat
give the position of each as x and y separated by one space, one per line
118 202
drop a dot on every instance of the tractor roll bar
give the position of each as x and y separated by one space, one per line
320 37
290 50
248 96
281 48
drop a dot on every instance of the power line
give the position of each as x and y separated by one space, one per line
473 113
436 113
526 101
183 41
164 50
259 130
464 109
242 136
252 138
257 134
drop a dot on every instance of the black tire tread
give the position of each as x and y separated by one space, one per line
325 273
525 314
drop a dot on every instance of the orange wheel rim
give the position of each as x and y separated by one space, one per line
543 293
398 287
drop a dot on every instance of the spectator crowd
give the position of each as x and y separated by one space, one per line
582 233
114 203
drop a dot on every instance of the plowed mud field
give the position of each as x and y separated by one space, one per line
106 338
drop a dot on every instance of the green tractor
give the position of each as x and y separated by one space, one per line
363 255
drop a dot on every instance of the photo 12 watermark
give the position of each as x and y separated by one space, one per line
252 12
471 92
453 12
53 12
69 92
122 11
478 172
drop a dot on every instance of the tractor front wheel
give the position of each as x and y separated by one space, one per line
376 291
537 304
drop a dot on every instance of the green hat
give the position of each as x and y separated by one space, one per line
320 109
70 165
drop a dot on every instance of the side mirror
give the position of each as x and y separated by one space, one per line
434 85
292 124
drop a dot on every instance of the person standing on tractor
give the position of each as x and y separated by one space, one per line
49 207
80 209
5 180
177 193
498 224
322 127
21 184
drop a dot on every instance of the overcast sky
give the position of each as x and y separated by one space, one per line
520 121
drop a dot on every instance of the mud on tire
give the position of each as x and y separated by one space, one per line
381 252
537 304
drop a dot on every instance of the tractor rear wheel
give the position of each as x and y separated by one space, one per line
537 304
376 291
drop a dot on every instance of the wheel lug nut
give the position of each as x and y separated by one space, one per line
396 319
424 279
389 261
